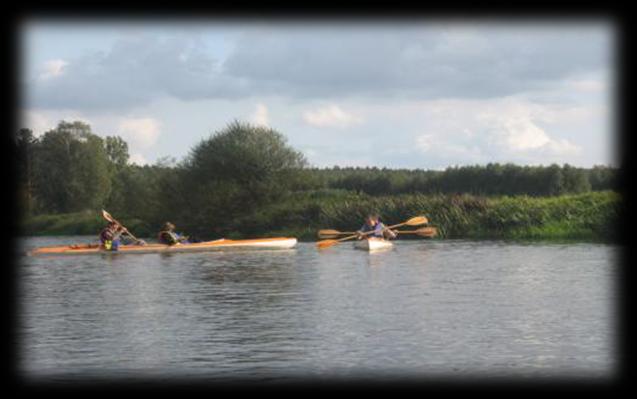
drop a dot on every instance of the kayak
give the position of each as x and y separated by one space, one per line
90 249
373 244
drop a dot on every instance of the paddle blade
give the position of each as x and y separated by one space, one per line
323 234
427 232
326 236
107 215
329 232
417 221
326 243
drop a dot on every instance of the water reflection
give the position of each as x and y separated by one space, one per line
427 308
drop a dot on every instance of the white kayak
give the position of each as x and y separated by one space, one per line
373 244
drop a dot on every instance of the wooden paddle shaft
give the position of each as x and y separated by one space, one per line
110 218
419 220
370 232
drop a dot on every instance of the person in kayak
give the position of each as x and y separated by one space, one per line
373 223
168 236
109 236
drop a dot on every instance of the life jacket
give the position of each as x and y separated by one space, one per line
106 234
167 237
109 239
378 229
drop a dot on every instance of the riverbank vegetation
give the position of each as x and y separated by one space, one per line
246 181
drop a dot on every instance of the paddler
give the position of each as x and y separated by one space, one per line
168 236
373 223
109 236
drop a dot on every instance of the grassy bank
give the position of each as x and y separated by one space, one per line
79 223
589 217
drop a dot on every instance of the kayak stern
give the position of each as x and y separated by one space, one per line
373 244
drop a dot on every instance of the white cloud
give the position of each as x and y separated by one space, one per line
425 142
595 81
513 129
439 145
52 69
588 85
37 122
331 116
561 146
571 114
502 130
142 131
138 159
517 134
41 122
261 116
310 152
328 62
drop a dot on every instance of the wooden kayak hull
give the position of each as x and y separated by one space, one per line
93 249
373 244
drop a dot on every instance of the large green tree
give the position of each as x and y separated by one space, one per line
116 150
575 179
71 169
232 173
117 153
602 177
25 143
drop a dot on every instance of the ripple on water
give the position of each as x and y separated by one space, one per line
425 308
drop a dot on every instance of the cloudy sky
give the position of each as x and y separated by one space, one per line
420 94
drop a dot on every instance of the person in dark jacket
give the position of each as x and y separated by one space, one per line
168 236
373 223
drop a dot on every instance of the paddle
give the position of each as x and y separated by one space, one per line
425 231
108 217
328 233
416 221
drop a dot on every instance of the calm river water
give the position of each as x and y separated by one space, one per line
423 309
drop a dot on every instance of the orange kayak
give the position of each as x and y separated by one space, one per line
89 249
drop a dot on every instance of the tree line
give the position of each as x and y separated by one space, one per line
231 176
489 180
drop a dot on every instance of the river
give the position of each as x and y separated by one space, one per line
425 309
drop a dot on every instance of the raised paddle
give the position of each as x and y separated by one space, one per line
416 221
108 217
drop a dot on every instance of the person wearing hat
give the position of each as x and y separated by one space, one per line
168 236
